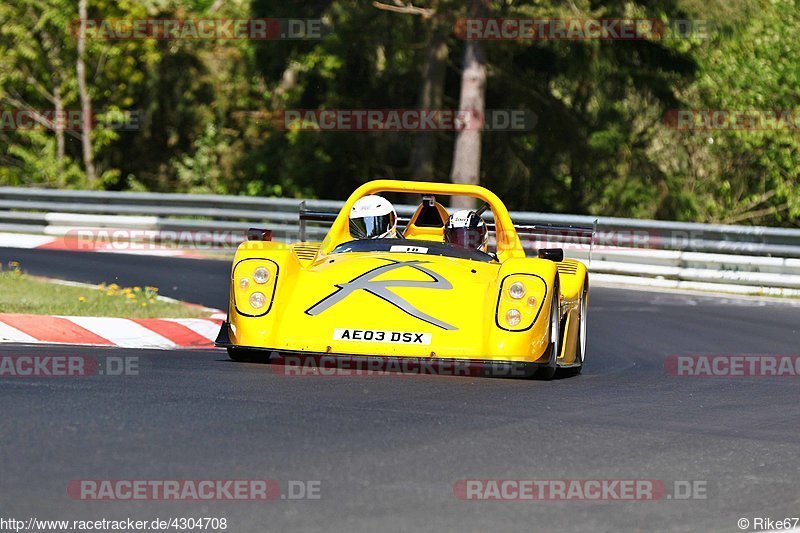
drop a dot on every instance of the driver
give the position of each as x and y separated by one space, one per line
466 228
373 217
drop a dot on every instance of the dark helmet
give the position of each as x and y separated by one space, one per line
466 228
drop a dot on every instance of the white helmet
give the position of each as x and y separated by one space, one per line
466 228
373 217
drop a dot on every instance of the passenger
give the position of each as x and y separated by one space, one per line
373 217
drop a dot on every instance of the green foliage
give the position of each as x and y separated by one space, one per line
22 293
601 144
758 177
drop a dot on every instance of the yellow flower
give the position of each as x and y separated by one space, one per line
130 296
137 289
81 299
13 264
144 304
152 300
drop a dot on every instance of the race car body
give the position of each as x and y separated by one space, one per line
410 296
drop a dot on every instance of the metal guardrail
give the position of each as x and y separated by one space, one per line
742 255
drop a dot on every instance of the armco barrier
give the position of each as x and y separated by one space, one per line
743 256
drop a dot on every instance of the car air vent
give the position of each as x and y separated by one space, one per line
306 252
568 268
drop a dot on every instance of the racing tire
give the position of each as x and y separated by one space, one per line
241 355
548 372
580 353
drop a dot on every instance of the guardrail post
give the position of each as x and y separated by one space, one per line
302 221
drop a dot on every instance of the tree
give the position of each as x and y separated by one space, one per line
600 145
86 100
35 79
467 153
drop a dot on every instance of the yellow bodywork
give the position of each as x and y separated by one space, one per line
316 300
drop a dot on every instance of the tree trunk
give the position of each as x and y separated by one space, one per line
58 103
467 154
86 102
423 150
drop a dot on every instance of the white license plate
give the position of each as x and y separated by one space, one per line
377 335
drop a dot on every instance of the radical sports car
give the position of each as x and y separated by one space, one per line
413 296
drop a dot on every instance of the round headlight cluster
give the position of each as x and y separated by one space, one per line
516 290
261 275
258 300
513 317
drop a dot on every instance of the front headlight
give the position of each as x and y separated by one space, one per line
258 300
254 282
516 290
261 275
520 301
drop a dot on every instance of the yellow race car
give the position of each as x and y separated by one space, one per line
412 295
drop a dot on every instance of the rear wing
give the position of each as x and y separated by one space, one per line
568 233
560 234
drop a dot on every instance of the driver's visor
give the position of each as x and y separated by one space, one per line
372 227
467 237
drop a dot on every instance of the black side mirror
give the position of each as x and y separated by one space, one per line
552 254
258 234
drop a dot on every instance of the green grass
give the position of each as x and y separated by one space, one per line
22 293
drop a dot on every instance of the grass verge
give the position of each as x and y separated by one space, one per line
22 293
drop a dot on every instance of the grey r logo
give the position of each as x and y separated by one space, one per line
381 290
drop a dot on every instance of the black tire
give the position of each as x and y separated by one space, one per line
548 372
241 355
582 330
580 349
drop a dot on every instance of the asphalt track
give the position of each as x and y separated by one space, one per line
389 449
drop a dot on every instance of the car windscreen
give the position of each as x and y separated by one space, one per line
412 246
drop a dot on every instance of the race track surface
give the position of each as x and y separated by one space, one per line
388 449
